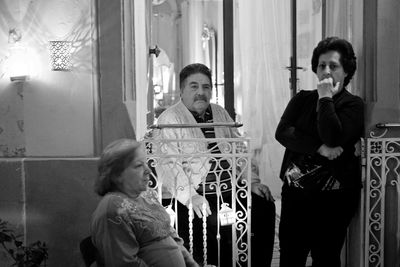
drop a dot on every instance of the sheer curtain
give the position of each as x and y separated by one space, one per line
192 27
262 50
339 23
309 33
201 27
338 19
344 19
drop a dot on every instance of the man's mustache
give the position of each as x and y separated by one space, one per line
200 97
326 77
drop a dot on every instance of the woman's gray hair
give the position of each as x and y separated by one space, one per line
114 159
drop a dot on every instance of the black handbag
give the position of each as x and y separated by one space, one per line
305 173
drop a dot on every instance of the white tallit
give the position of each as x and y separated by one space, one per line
171 172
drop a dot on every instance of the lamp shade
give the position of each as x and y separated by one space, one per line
60 55
19 65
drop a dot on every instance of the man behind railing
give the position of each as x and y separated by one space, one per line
195 107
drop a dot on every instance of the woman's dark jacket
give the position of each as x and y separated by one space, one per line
307 123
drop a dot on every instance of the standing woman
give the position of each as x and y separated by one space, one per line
321 173
129 226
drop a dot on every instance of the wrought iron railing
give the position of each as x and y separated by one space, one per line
177 163
382 187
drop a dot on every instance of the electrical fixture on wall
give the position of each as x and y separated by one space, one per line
19 64
161 73
60 55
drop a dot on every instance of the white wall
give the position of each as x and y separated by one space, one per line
57 106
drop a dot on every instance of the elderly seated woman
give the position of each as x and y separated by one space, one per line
129 226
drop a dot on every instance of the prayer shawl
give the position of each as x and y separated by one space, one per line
173 172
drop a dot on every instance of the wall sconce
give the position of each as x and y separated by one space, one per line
206 33
19 62
60 55
161 73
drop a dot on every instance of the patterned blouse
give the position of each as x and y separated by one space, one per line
136 232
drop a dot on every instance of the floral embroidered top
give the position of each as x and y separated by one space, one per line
136 232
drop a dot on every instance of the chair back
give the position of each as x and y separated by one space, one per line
88 251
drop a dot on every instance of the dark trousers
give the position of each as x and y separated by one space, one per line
262 228
315 223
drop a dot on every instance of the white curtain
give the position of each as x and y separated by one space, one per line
192 27
201 24
262 50
338 19
309 33
340 22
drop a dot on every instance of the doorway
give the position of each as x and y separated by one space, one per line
185 32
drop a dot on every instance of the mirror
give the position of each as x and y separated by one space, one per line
186 32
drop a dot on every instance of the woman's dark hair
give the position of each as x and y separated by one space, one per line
344 48
114 159
193 69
